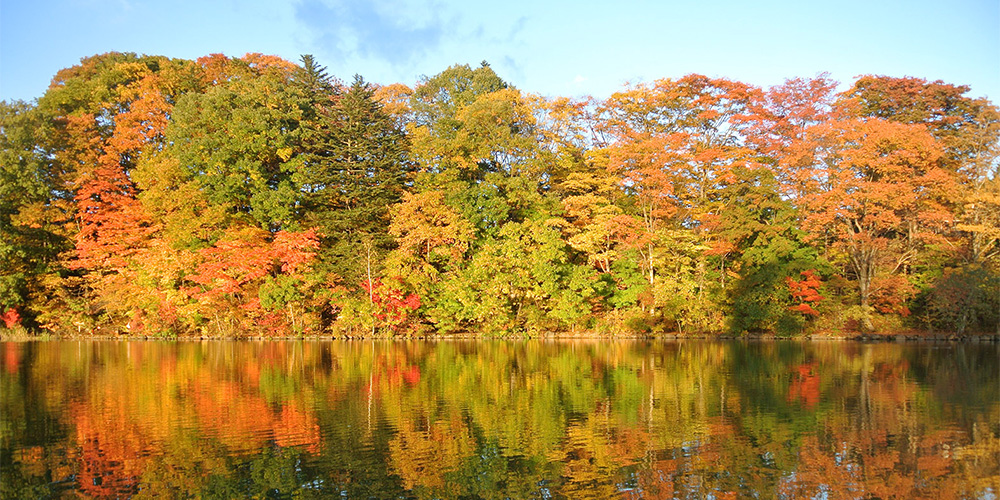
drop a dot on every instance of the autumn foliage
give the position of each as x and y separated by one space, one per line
520 419
805 292
10 318
392 304
230 196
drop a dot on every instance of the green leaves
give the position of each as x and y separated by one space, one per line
354 168
237 142
519 281
676 205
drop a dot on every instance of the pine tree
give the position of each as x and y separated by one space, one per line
356 167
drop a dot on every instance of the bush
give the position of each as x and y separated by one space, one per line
963 299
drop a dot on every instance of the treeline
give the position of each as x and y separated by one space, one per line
254 196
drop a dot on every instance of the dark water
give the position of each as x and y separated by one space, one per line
495 419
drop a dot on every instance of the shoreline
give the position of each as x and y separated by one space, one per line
908 337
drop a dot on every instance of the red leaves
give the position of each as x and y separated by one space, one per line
10 318
804 309
805 292
394 304
237 263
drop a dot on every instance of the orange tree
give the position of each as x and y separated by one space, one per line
877 192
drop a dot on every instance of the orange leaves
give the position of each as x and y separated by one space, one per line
262 62
805 385
778 118
146 119
113 224
805 292
878 188
237 259
248 255
675 141
295 250
872 176
950 116
297 427
890 293
215 68
249 266
395 99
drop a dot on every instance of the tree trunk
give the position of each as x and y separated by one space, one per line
866 319
864 265
371 286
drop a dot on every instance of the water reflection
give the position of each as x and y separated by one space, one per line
498 419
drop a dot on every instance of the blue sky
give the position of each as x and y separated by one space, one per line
567 48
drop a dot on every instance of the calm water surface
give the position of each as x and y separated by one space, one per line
494 419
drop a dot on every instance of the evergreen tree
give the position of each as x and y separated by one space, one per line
356 167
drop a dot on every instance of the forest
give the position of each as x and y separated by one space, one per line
253 196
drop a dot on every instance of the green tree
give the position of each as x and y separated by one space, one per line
238 143
313 79
437 100
520 281
355 167
34 207
758 230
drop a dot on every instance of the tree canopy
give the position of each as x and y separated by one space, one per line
247 196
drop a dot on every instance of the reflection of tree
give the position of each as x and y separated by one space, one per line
805 385
424 451
498 420
113 452
883 446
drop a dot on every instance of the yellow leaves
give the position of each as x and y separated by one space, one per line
422 458
423 223
584 182
496 122
395 99
495 131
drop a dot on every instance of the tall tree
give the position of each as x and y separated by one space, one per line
355 167
949 115
109 114
238 141
968 129
35 208
314 79
437 100
878 192
674 145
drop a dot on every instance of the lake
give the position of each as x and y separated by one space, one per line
499 419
